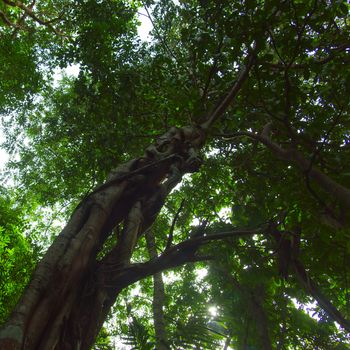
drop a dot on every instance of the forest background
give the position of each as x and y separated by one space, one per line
224 223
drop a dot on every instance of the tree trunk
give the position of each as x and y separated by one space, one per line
158 298
72 290
255 309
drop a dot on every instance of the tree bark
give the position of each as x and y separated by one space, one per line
158 298
71 291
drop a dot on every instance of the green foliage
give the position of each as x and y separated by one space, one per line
137 336
103 341
66 136
17 258
19 77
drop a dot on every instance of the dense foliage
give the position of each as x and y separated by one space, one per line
277 158
18 254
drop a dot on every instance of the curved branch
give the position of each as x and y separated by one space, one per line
182 253
212 71
316 293
322 61
7 20
340 192
162 40
242 77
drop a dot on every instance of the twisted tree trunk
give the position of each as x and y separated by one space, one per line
73 288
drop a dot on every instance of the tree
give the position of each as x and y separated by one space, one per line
258 89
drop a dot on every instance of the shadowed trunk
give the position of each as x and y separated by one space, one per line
158 298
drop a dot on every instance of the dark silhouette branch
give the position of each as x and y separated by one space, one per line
212 71
7 20
292 255
161 39
310 286
321 61
182 253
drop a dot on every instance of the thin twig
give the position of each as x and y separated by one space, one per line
307 65
275 47
166 46
162 40
242 77
171 233
32 15
212 70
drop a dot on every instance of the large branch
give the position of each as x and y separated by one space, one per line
44 318
340 192
177 255
290 253
130 196
311 288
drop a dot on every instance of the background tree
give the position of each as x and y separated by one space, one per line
18 254
274 183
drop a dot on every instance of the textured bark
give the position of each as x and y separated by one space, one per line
158 298
71 291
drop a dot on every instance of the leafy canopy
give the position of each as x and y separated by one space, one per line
67 135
